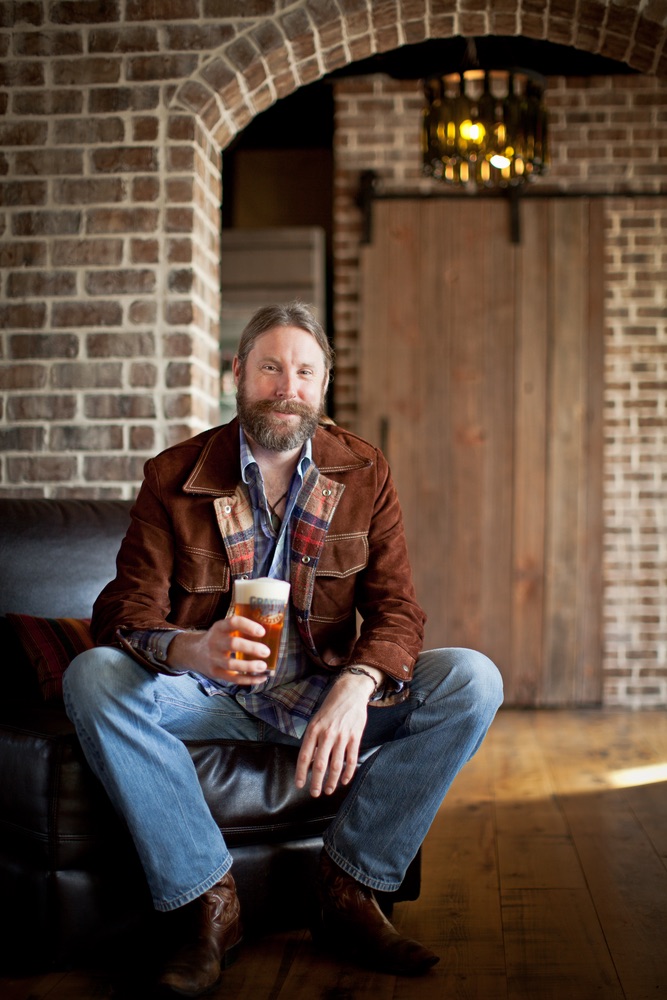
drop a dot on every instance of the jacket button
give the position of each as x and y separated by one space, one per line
305 559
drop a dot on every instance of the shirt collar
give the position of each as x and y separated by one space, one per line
248 460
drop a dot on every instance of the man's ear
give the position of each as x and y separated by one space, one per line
236 369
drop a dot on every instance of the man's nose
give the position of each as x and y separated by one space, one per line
286 388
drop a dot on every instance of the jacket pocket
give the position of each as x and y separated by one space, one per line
200 589
343 555
200 572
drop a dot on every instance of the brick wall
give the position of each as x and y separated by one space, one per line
608 135
114 115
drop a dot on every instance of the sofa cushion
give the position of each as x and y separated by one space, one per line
50 644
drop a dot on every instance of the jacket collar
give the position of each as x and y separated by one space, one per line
217 471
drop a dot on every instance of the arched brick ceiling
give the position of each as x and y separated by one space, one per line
279 54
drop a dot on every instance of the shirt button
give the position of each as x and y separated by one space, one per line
305 559
227 509
326 493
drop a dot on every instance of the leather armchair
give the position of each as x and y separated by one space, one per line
68 871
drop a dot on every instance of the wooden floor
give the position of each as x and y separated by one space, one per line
545 876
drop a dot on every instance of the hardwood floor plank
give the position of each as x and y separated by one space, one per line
555 947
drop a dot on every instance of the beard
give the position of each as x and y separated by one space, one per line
276 435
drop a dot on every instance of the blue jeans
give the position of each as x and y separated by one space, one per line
131 724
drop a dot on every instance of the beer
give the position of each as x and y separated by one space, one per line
263 600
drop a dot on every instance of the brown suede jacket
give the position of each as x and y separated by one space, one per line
191 535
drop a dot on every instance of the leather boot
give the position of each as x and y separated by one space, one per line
353 926
208 935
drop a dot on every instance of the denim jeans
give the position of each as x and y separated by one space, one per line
131 724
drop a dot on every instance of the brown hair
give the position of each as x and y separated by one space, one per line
288 314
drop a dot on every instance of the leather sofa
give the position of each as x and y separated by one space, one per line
69 878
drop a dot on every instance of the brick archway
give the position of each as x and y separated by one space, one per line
280 54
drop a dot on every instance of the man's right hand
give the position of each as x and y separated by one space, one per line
213 652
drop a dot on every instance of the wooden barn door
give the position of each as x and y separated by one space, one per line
481 377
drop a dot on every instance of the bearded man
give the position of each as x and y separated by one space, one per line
279 492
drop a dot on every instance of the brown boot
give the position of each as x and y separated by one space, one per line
209 932
353 926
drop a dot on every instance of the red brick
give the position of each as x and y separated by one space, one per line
46 223
178 314
178 374
163 67
143 375
124 159
89 131
162 10
23 133
84 11
145 189
117 220
25 407
42 468
110 468
22 74
142 438
81 252
85 375
87 191
145 129
23 376
144 251
137 38
49 162
24 315
197 37
103 437
239 8
22 439
180 280
177 406
41 43
85 72
38 345
40 284
119 406
77 314
179 251
17 254
23 193
120 345
120 282
48 102
142 312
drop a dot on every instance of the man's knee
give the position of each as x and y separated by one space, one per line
89 676
468 671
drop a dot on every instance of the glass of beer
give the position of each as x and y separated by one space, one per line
265 601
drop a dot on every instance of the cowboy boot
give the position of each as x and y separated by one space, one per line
209 932
353 926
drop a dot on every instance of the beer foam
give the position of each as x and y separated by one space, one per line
263 587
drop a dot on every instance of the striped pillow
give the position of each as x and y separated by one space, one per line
51 644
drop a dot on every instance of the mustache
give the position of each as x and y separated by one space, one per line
282 406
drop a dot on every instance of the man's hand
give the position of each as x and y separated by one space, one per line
331 744
212 652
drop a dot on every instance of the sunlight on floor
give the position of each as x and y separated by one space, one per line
632 776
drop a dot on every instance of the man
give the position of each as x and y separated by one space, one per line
281 492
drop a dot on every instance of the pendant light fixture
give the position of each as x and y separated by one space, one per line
485 128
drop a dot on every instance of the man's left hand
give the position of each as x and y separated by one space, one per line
330 748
